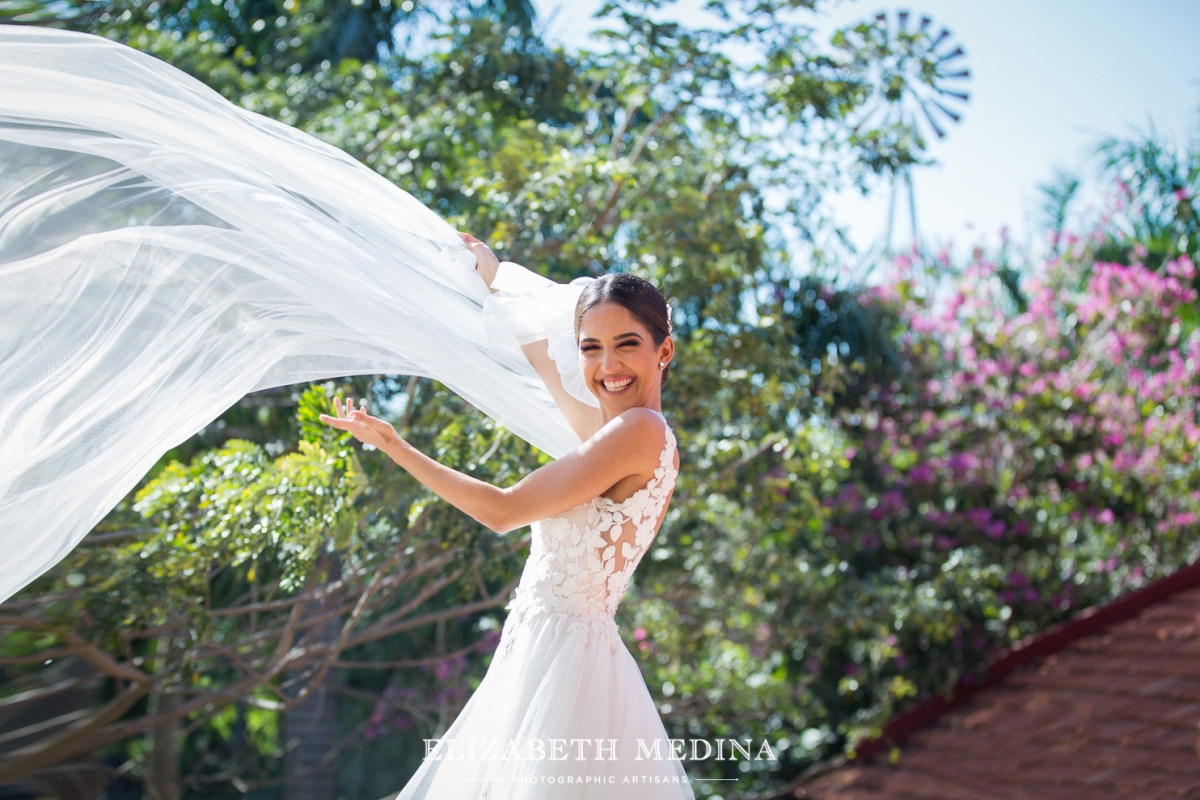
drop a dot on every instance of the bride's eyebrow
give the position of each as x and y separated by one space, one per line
619 337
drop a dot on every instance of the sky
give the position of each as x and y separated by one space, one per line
1049 79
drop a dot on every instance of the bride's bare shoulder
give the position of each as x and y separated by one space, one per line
640 415
636 427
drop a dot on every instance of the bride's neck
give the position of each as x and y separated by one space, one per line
607 415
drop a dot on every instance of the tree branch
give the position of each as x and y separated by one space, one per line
75 739
371 634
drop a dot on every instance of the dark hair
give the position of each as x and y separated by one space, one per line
637 295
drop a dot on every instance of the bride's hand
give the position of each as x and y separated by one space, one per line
361 425
486 262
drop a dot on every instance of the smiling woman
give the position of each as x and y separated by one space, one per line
561 671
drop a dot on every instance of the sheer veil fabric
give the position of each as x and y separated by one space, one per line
163 253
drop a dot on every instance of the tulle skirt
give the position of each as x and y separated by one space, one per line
563 712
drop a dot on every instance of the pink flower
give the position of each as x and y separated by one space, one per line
922 473
979 516
1182 268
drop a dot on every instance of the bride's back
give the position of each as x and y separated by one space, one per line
581 560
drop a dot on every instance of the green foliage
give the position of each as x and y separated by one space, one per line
1158 187
234 506
253 35
231 518
1151 217
312 403
800 590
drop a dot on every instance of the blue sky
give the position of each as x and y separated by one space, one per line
1050 77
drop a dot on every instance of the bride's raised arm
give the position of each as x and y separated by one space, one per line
630 444
538 315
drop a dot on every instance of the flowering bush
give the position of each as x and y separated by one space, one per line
1064 432
1019 450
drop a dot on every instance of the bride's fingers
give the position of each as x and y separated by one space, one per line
347 416
342 424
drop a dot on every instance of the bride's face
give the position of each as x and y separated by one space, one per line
618 357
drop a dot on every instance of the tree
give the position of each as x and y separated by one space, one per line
234 590
1151 218
1158 186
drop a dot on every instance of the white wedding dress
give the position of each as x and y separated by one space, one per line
563 711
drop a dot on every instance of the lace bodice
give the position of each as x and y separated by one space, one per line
580 561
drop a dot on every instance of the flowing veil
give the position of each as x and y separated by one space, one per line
163 253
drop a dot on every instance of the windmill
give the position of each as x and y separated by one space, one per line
919 79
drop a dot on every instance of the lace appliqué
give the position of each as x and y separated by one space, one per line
580 561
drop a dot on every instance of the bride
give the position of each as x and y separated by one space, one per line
161 248
563 710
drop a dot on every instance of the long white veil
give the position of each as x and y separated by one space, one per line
163 253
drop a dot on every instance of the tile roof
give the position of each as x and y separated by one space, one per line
1105 706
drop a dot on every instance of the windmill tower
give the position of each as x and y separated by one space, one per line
920 79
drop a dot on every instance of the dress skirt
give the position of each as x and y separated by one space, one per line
563 712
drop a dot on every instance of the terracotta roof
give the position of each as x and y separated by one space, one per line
1104 706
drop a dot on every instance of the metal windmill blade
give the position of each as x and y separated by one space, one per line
921 75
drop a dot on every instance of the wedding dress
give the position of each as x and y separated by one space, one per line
563 711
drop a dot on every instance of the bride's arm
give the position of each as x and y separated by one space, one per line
584 419
630 444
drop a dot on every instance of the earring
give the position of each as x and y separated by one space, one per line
661 365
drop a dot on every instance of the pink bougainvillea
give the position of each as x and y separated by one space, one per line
1062 422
